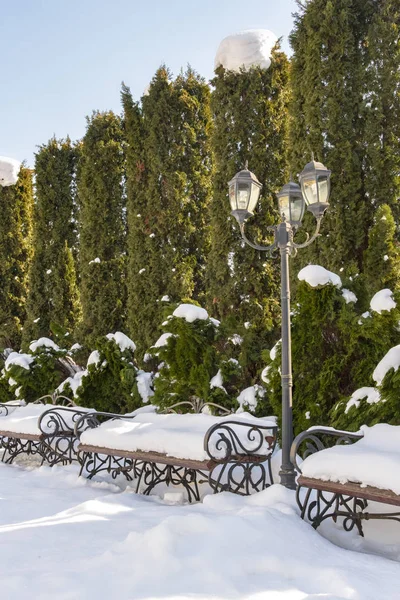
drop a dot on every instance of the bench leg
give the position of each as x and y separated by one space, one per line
321 505
95 463
243 478
152 474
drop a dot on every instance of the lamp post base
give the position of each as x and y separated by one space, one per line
288 477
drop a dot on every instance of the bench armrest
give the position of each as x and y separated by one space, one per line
91 420
228 440
317 438
59 420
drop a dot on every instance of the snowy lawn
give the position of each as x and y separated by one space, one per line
67 538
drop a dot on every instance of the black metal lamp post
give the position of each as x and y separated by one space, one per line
244 191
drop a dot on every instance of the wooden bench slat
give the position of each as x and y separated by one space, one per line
22 436
157 457
351 489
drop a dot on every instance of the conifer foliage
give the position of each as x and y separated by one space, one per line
249 110
53 292
16 203
102 226
169 186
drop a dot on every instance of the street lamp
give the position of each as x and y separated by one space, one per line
244 191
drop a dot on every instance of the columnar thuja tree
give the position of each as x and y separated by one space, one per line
168 171
250 118
101 227
16 203
53 293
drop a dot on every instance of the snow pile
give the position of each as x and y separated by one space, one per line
122 341
74 382
43 343
349 296
391 360
190 312
383 300
374 460
316 275
9 169
22 360
24 419
94 261
274 350
248 398
144 381
217 381
246 49
369 393
180 436
163 340
94 358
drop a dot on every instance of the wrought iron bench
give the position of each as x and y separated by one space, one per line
50 434
320 500
237 458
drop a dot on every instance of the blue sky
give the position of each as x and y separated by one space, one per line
61 59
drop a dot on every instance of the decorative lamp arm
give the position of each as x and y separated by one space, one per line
309 239
257 246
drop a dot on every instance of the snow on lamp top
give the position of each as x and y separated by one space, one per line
247 49
9 169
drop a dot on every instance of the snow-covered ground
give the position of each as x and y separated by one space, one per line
66 538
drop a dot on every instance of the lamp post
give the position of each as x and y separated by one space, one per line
244 191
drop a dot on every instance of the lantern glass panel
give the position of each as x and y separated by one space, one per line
309 189
255 194
284 207
232 195
297 210
243 194
323 188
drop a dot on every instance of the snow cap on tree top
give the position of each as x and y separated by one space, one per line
316 275
9 169
190 312
246 49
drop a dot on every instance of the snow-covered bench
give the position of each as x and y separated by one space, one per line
41 429
340 480
231 452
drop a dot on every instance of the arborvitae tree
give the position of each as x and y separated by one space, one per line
168 169
16 203
327 119
382 106
53 294
102 226
250 120
382 256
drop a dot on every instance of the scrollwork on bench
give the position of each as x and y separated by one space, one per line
57 434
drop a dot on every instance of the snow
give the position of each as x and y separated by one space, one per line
24 419
122 341
163 340
36 320
20 359
264 374
144 381
383 300
246 49
75 348
369 393
95 260
94 358
274 350
9 169
385 258
216 381
142 271
91 541
316 275
248 398
236 339
165 299
349 296
391 360
48 272
43 343
190 313
74 382
180 436
374 460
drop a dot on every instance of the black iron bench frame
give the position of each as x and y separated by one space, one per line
236 466
320 500
56 443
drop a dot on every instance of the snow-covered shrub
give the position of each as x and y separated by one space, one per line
197 361
109 382
38 372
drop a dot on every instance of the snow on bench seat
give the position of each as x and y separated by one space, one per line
172 435
24 420
372 461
